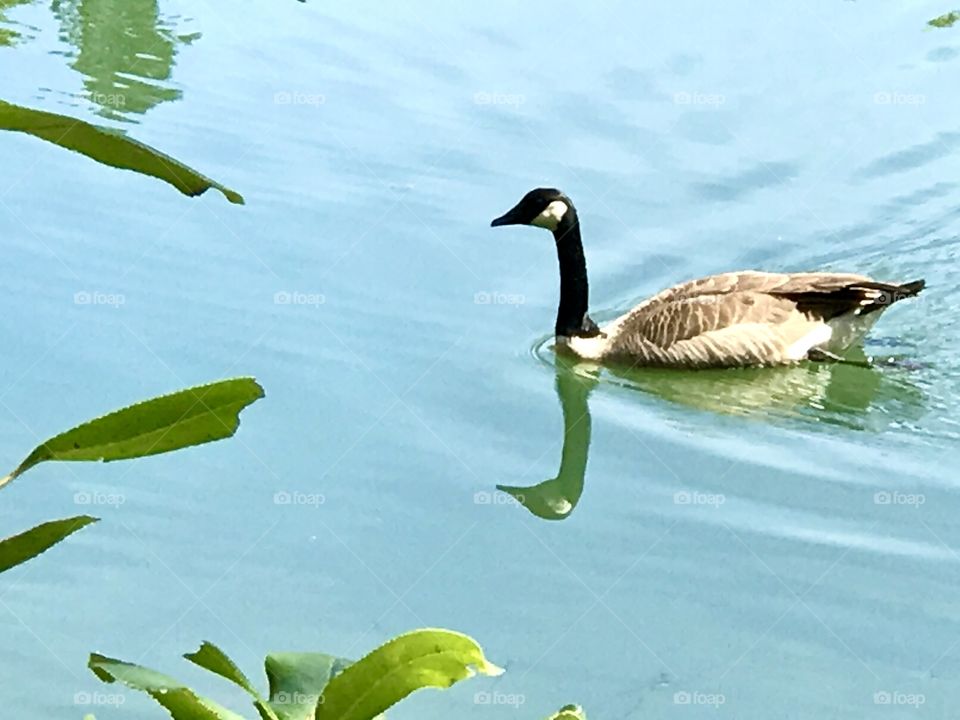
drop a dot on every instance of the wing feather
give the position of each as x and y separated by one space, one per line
739 318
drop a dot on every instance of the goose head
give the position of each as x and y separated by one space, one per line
547 208
552 210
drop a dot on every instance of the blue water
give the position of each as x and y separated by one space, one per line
741 545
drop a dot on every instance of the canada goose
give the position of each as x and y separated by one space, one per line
732 319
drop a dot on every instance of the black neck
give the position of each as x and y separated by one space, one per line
572 318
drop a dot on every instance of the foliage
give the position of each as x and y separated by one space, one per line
20 548
569 712
189 417
316 686
110 147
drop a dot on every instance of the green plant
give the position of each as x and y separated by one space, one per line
30 543
110 147
569 712
316 685
188 417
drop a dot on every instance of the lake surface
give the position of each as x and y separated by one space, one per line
740 545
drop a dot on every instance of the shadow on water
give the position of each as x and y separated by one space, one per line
855 397
125 51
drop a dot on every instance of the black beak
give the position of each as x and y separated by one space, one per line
511 217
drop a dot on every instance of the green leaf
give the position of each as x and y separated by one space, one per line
946 20
569 712
419 659
110 147
189 417
212 658
20 548
180 701
297 681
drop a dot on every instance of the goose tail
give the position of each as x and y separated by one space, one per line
911 288
889 293
861 297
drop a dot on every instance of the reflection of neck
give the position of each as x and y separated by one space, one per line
556 498
572 317
573 392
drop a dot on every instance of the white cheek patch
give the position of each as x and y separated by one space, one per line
550 218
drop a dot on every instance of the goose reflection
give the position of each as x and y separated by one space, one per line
859 394
555 499
867 396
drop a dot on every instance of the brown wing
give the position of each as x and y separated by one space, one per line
736 328
741 318
729 319
670 321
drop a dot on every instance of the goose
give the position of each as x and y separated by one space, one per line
733 319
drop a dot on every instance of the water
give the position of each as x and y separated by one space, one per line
754 540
